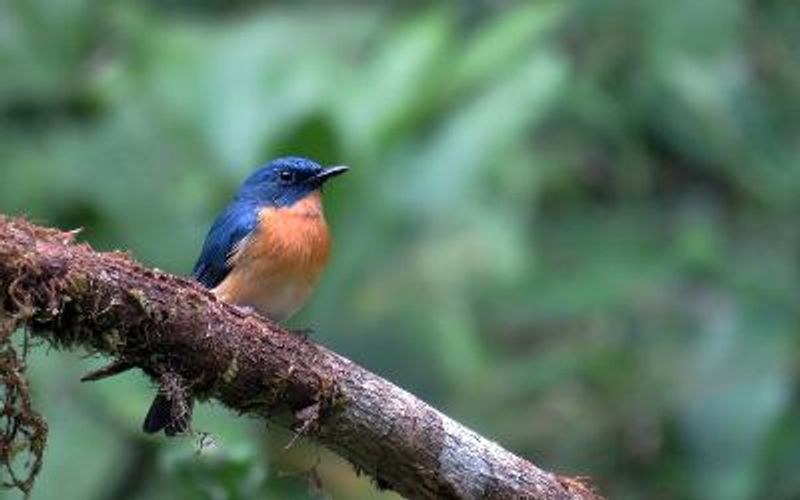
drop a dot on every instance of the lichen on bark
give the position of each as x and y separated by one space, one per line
182 338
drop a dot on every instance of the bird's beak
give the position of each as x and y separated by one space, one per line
329 172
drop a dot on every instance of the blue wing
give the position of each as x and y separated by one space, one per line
236 222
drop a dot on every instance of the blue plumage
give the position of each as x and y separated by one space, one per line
237 221
277 282
277 184
283 181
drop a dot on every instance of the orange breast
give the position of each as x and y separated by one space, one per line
276 268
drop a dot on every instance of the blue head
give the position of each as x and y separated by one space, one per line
284 181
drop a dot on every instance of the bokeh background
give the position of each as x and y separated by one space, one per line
571 225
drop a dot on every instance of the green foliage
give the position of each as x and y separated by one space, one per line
571 225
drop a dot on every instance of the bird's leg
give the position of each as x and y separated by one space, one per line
113 368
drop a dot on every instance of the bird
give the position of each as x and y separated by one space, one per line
265 252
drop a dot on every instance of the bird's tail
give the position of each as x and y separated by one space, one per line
163 414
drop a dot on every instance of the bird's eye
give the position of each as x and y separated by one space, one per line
286 176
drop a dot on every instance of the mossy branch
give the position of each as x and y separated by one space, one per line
173 329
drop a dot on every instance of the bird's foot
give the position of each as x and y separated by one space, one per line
303 333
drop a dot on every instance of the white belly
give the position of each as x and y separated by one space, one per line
282 301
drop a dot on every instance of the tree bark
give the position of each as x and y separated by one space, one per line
178 334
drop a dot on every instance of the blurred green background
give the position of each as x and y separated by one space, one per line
571 225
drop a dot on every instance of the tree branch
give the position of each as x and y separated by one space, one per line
170 326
